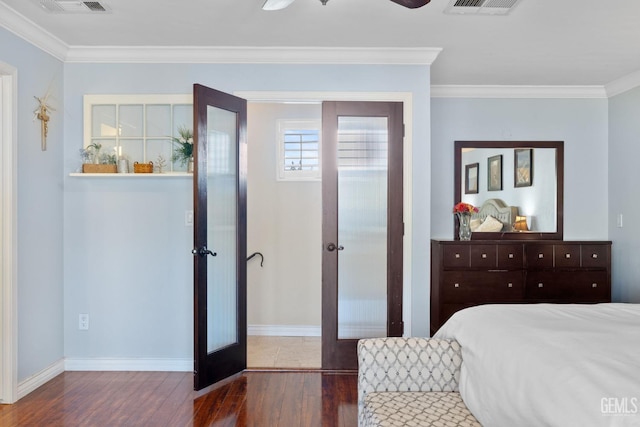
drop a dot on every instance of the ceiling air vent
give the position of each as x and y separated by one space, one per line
95 6
73 6
481 7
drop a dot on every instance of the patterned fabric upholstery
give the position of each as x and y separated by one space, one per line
437 409
387 365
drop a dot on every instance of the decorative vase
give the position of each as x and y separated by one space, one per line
190 165
464 221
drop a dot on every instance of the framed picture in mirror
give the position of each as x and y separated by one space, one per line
494 173
522 167
471 178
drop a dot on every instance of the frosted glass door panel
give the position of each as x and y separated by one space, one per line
362 227
222 298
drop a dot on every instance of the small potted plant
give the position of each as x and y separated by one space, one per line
183 148
93 161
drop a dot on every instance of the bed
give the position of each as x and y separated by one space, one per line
549 364
498 212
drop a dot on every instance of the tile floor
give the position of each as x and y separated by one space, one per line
283 352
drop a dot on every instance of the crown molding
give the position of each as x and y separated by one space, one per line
26 29
252 55
514 91
623 84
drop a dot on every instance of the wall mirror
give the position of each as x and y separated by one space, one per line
521 181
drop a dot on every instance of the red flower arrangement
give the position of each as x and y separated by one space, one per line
464 208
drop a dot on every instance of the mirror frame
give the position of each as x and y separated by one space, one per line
525 235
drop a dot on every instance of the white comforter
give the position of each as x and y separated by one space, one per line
549 365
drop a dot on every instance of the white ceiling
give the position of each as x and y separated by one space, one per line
541 42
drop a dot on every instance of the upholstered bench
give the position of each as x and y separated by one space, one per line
410 382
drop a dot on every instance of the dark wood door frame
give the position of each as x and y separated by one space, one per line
341 353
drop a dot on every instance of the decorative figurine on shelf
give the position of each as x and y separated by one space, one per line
160 164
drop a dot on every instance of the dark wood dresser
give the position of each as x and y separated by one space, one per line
465 274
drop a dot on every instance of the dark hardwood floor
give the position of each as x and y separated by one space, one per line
270 398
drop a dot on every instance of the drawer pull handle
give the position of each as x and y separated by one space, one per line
483 256
594 256
456 285
510 285
594 285
540 256
510 256
567 256
457 256
540 285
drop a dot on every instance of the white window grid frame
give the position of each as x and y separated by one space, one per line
285 125
118 100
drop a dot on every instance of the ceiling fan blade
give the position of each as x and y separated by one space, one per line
276 4
411 4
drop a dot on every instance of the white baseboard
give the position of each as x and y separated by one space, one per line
33 382
285 330
108 364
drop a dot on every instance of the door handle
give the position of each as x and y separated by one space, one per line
203 251
332 247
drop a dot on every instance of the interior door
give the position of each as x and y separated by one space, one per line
362 226
220 250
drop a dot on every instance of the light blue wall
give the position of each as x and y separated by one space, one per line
127 252
580 123
40 208
125 258
624 152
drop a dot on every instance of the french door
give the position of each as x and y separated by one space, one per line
220 250
362 226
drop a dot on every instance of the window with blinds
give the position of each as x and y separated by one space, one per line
299 150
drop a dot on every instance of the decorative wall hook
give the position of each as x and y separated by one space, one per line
42 114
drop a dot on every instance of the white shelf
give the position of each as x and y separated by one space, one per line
133 175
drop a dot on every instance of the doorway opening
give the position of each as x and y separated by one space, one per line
284 217
284 222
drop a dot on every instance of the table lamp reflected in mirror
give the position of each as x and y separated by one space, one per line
520 224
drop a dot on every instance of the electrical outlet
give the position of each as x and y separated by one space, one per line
188 218
83 322
619 220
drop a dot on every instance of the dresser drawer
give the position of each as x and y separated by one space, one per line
568 286
483 256
567 256
482 286
455 256
539 256
595 256
510 257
